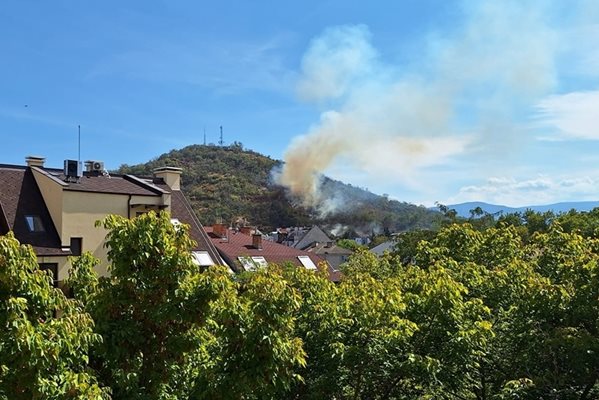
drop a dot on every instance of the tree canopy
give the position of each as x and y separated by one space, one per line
471 314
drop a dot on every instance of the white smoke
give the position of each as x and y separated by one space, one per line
463 93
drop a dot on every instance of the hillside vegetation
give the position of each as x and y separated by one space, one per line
234 185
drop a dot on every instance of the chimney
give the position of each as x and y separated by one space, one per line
219 230
35 161
329 244
170 175
257 241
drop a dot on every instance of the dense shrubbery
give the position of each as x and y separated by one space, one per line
474 314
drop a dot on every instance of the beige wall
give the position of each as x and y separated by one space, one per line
63 265
74 215
52 193
80 212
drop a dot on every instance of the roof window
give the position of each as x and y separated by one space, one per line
252 263
307 262
202 258
34 223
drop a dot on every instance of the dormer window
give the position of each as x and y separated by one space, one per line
34 223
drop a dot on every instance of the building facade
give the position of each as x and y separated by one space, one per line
55 210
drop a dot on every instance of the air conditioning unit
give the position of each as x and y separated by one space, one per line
97 166
72 169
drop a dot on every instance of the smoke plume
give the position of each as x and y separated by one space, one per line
460 93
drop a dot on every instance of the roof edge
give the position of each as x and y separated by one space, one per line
50 176
144 184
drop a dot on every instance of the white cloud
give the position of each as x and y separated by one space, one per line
573 115
334 61
514 192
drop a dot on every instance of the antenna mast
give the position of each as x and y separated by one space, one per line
221 142
79 144
204 136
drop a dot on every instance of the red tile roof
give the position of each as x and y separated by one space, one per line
239 244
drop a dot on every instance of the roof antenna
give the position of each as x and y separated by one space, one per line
221 142
79 144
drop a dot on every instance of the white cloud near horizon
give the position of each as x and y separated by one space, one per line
539 190
573 115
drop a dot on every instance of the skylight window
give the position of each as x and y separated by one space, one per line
307 262
252 263
202 258
260 261
34 223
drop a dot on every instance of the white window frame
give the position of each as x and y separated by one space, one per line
307 263
202 259
252 263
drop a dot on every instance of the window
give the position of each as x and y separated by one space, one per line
260 261
53 268
76 246
252 263
307 262
202 258
34 223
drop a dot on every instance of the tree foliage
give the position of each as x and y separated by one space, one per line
44 337
472 314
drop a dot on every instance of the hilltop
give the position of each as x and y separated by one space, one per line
234 185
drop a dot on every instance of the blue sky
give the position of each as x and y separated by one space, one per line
423 100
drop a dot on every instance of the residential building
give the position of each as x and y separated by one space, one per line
384 247
55 210
310 237
300 237
333 254
245 249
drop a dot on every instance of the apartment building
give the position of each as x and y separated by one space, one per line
55 210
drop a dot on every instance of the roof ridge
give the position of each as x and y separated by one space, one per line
144 184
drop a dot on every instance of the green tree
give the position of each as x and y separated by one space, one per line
171 332
254 353
151 312
44 337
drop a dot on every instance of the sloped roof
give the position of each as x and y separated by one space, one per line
383 247
20 197
238 244
98 183
314 235
181 209
323 248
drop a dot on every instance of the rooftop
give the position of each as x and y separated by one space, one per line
23 210
238 244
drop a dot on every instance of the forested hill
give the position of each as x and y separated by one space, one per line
234 185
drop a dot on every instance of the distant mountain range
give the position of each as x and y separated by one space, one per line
463 209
